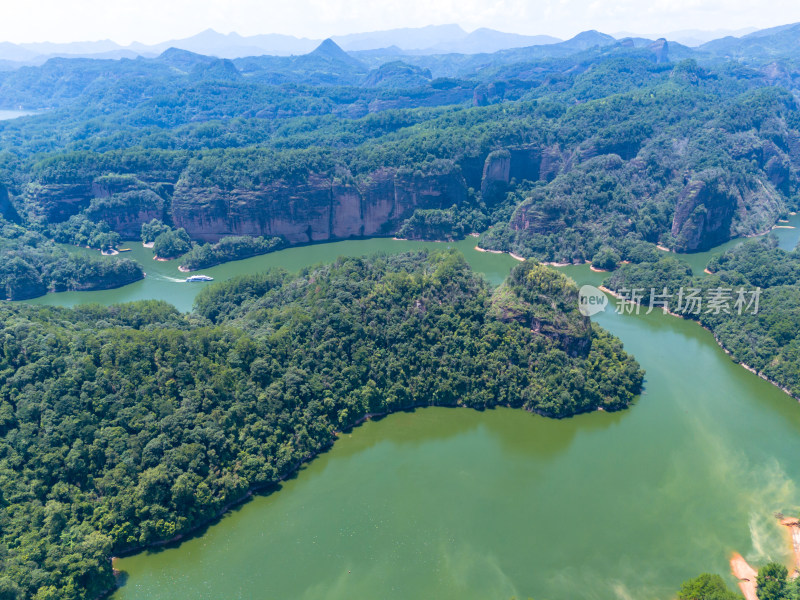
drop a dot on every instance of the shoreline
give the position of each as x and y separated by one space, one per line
295 470
746 575
148 244
511 254
793 527
754 371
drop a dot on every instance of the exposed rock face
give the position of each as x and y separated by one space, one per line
7 210
660 50
125 212
712 209
57 202
318 209
496 175
529 162
123 202
322 207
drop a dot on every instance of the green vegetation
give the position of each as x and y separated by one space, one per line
706 587
767 341
153 229
590 155
32 265
80 231
606 259
133 424
234 247
172 243
773 583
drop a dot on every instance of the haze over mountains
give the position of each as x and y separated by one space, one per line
430 40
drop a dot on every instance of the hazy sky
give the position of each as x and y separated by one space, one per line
152 21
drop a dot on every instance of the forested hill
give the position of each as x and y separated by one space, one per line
594 147
129 425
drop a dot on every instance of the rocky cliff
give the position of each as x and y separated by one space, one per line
320 208
714 207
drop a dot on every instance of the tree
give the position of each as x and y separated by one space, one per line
771 582
706 587
172 244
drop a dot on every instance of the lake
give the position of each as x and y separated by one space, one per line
454 503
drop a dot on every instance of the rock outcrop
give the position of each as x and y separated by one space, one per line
318 209
518 163
713 208
7 210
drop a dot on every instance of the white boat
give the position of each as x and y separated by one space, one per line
199 278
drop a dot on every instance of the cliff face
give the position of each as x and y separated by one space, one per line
530 162
57 202
124 202
712 209
125 212
321 208
7 210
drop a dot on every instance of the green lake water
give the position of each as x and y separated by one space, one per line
454 503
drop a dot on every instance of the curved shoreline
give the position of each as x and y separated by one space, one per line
747 575
295 470
788 392
511 254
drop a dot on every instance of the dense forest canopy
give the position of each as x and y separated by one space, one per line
129 425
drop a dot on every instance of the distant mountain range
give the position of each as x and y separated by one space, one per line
430 40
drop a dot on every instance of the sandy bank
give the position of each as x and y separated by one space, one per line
183 269
746 576
784 227
663 248
707 271
479 249
793 525
159 259
596 270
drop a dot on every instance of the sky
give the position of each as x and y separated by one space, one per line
151 21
